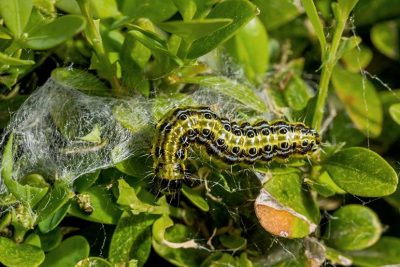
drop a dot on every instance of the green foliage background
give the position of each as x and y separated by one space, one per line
333 64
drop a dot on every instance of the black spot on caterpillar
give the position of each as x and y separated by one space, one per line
229 141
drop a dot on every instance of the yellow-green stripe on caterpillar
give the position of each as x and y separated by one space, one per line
229 141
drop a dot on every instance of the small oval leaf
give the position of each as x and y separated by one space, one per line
21 255
394 112
55 32
353 227
361 172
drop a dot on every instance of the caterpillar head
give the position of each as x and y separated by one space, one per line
170 177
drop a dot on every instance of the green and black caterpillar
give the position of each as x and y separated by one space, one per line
228 141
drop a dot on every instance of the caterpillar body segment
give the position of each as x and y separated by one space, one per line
228 141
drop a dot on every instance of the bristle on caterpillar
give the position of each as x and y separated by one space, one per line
228 141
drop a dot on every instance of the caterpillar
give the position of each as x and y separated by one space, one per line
226 140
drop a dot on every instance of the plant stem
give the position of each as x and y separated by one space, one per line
327 70
94 37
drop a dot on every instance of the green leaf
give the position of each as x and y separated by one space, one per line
25 193
19 255
68 253
157 45
297 93
313 16
68 6
53 220
155 10
105 8
385 38
346 45
357 59
12 61
345 7
230 88
131 238
187 8
94 261
324 185
386 252
361 172
55 199
51 240
360 99
277 13
233 242
343 130
33 239
16 14
55 32
394 112
194 29
249 47
353 227
133 58
240 11
135 166
85 181
177 244
101 201
195 198
80 80
337 258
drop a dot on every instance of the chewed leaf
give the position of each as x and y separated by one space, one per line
284 209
